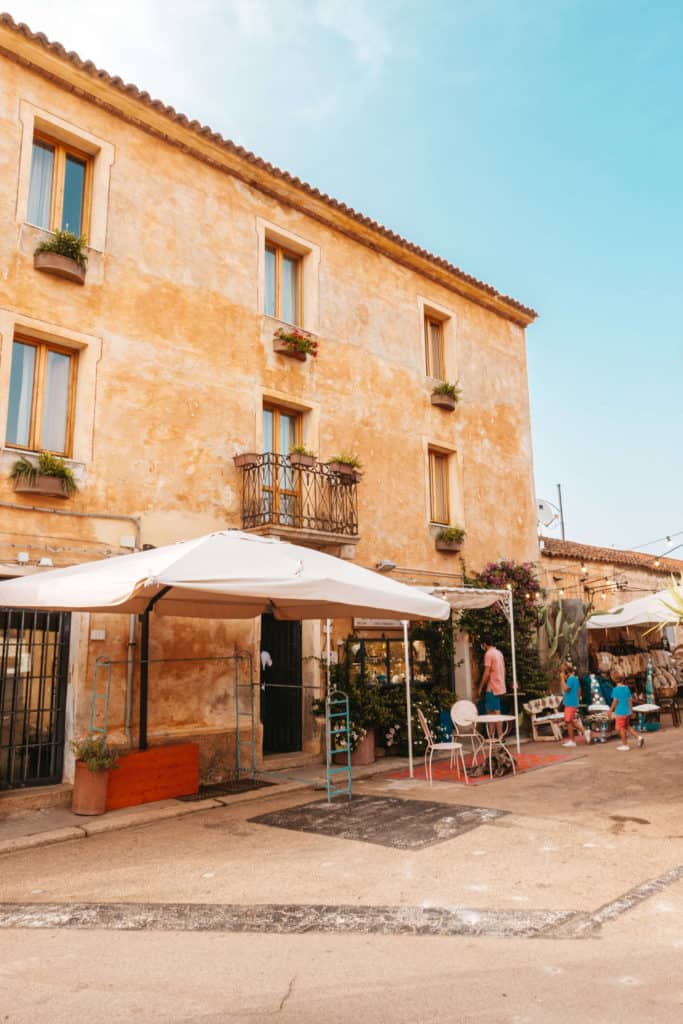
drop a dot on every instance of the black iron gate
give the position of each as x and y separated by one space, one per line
281 689
34 656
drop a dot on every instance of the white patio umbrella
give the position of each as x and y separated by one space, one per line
228 575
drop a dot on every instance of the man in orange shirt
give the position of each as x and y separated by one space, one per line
493 679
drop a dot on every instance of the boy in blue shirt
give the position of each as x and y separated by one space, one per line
570 697
621 712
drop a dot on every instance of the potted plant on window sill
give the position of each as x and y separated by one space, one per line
290 341
94 760
346 467
301 456
449 539
63 256
446 395
50 476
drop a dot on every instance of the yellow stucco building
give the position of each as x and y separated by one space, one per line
151 375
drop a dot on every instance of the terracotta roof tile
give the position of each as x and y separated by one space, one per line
555 548
194 126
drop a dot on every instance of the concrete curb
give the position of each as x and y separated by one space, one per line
145 814
55 835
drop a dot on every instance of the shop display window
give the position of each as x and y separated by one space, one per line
382 661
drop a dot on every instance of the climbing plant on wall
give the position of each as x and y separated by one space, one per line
527 601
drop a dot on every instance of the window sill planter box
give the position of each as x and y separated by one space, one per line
246 459
48 486
445 401
447 545
59 266
282 348
90 790
299 459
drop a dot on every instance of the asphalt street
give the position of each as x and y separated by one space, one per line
554 896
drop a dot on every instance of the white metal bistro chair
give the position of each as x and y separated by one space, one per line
464 718
455 749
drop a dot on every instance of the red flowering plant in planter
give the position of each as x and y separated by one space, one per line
297 341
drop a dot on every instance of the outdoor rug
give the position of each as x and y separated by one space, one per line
386 821
442 772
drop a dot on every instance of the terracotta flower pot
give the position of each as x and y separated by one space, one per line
246 459
59 266
299 459
364 752
90 790
444 401
50 486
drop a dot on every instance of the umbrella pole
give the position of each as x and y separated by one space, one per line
514 667
406 655
144 667
328 655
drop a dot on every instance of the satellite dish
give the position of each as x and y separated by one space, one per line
546 513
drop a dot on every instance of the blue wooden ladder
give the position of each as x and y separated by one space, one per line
337 741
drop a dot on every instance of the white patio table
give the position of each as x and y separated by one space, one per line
493 740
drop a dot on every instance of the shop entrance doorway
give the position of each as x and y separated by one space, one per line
281 686
34 654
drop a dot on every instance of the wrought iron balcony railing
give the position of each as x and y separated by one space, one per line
275 492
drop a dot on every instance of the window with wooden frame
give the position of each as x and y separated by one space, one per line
280 482
434 348
42 394
283 284
60 187
438 487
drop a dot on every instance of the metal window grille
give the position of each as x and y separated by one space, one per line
34 649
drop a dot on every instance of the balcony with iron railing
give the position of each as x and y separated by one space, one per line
316 503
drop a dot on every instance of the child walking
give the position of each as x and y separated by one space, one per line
570 697
620 710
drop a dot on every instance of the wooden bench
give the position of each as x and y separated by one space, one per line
543 714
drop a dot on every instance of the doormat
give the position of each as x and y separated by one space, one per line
385 821
225 789
442 771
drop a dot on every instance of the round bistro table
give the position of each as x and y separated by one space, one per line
492 739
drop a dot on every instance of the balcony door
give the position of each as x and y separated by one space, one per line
280 484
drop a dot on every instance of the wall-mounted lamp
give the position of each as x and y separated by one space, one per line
22 557
385 565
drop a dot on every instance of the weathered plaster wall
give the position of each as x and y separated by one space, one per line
177 359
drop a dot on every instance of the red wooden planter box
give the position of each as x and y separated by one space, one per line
155 774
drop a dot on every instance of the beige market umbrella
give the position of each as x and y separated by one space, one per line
229 575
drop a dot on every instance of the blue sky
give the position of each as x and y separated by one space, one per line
534 143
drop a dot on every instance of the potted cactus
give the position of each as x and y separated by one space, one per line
446 395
